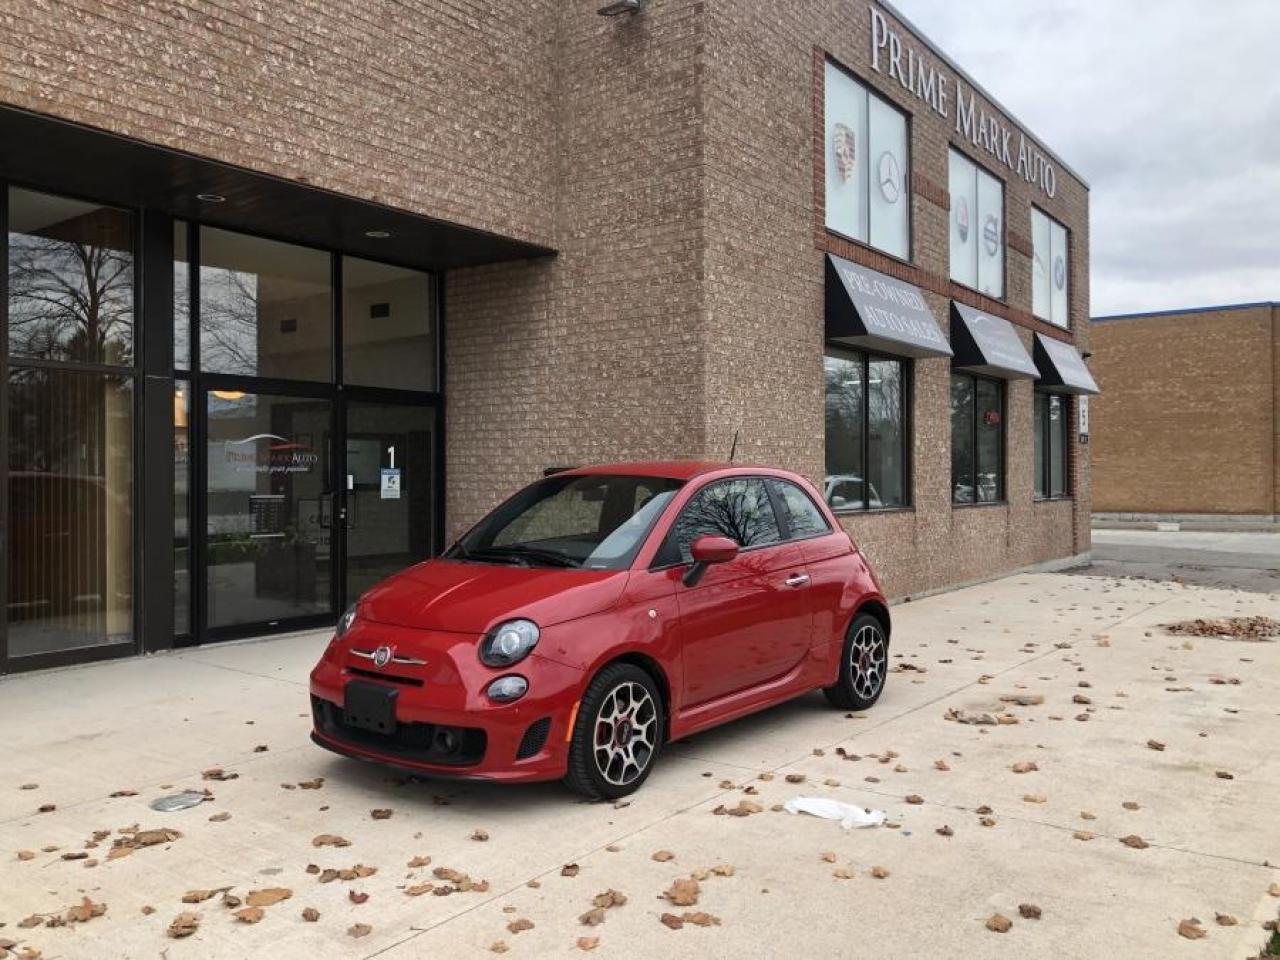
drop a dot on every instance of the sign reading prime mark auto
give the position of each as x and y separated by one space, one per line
919 76
871 310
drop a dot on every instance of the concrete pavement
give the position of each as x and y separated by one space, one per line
153 725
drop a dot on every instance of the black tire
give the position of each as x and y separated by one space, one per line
607 771
864 664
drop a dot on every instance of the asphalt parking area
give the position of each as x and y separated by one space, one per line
769 883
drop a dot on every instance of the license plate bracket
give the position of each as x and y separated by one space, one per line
370 706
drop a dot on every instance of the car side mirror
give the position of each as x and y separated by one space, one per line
705 551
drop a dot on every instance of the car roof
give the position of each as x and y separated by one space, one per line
670 469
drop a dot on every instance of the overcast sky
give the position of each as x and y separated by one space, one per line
1170 109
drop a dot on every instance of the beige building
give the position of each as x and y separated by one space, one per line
295 295
1189 424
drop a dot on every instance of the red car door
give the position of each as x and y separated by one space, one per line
747 621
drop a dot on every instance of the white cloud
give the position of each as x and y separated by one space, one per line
1169 108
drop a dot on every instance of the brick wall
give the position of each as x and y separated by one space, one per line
1187 420
765 245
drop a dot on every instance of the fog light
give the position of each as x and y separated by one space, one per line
506 689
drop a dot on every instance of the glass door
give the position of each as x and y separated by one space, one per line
268 509
390 489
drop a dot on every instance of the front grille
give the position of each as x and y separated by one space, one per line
385 677
535 738
420 742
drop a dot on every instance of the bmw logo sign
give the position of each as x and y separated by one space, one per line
1059 272
382 656
991 234
962 218
890 177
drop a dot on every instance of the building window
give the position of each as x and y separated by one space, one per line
1053 447
866 431
977 439
867 162
1050 269
265 307
387 326
977 227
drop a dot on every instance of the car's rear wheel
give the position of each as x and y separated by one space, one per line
864 661
617 734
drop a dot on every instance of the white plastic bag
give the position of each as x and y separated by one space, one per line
848 815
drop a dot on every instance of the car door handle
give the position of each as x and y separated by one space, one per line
797 580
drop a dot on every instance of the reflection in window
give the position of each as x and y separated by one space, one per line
70 510
387 326
977 439
181 297
182 508
71 268
1050 269
977 226
1052 444
804 519
264 307
737 509
866 431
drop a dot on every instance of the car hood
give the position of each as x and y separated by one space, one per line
460 597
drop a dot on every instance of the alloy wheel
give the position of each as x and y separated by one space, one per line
867 656
625 734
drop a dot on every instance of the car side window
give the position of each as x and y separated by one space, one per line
804 519
738 509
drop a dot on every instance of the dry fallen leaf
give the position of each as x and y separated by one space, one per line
268 896
570 870
249 914
588 943
358 930
200 896
610 898
217 773
915 799
220 817
330 840
520 925
662 856
480 835
1083 835
417 862
357 897
999 923
381 813
671 921
683 892
1224 775
1034 798
879 872
1135 841
310 914
1155 744
1191 929
419 889
795 778
499 946
944 831
1029 911
593 917
26 854
1024 766
85 910
184 925
1225 920
1274 890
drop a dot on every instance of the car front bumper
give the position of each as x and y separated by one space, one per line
446 726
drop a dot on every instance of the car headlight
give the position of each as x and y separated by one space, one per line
345 621
508 643
508 688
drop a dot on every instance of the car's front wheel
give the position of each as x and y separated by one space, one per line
617 734
864 662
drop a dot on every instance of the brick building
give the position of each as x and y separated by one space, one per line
297 292
1173 437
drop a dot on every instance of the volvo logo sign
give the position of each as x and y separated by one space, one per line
991 235
890 177
382 656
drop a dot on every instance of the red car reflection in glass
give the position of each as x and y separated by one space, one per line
599 614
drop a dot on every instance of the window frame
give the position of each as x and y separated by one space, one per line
1002 492
978 170
1045 480
1065 323
908 171
908 374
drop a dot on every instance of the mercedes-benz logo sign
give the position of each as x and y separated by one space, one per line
890 177
1059 272
962 219
991 234
382 656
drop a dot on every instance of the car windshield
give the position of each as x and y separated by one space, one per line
596 522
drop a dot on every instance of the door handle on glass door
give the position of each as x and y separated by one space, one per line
797 580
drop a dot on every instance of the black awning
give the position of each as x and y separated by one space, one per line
987 344
1062 369
876 312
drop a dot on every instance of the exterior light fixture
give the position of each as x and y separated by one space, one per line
211 198
619 7
377 234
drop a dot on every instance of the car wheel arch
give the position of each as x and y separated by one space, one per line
878 609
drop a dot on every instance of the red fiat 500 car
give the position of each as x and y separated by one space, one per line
595 616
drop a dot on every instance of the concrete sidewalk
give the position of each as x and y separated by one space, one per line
1112 679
